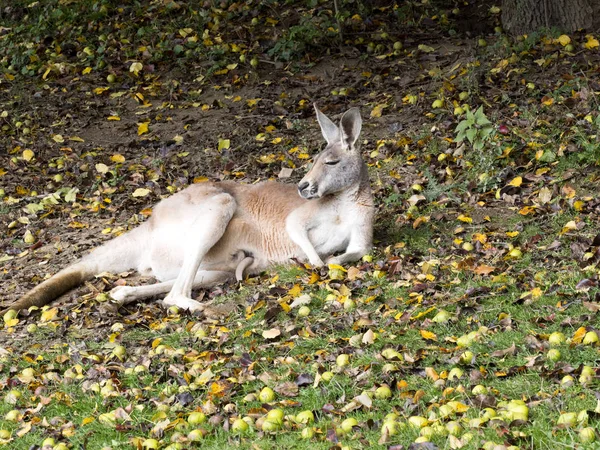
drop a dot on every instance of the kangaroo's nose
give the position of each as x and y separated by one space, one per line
303 185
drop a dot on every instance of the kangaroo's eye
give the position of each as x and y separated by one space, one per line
332 163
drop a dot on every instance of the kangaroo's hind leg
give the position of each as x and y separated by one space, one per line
212 217
123 295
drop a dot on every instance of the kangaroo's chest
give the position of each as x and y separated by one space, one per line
330 233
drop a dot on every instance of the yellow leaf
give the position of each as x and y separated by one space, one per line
512 233
141 192
113 118
579 335
58 138
536 292
118 158
569 226
76 139
135 67
516 182
49 314
547 100
86 70
564 40
200 179
428 335
336 266
143 128
28 155
100 90
295 291
591 43
527 210
376 112
224 144
464 218
277 140
46 73
253 101
87 420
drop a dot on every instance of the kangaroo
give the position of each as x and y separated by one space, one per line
212 232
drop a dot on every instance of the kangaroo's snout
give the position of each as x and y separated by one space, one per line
306 190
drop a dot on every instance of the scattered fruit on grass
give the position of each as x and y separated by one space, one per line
12 397
305 417
150 444
327 376
49 442
119 351
567 420
417 421
467 357
307 433
455 373
481 42
587 435
488 413
9 315
389 428
479 390
266 395
4 434
557 338
398 45
269 426
437 104
195 435
454 428
567 380
590 338
553 354
342 360
240 425
583 418
383 392
275 416
196 418
441 317
349 305
348 423
303 311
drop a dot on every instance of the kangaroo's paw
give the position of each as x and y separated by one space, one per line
122 295
182 302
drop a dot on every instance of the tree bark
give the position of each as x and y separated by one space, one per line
525 16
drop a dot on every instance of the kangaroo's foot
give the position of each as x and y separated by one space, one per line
122 295
182 302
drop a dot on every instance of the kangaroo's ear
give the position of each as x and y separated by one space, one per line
330 131
350 126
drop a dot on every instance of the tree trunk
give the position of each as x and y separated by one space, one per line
525 16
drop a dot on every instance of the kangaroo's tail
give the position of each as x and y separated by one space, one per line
117 255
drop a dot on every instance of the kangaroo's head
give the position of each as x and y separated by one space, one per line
339 166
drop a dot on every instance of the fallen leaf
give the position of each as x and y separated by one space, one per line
271 334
